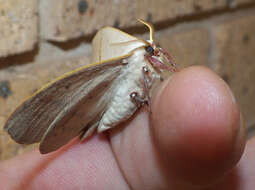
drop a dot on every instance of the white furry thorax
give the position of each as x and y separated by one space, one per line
121 107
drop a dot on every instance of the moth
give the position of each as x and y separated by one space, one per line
94 97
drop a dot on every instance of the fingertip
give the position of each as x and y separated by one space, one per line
196 126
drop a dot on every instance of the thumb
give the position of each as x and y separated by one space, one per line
196 127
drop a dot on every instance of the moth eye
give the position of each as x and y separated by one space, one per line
149 50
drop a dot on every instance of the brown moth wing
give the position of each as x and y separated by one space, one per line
84 110
32 119
107 44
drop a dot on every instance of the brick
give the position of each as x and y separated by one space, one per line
72 19
234 60
19 22
22 82
235 3
187 47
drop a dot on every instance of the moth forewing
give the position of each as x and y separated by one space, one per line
110 43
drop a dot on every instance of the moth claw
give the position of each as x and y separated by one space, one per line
138 100
145 70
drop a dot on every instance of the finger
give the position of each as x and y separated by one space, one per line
88 165
195 136
242 176
199 128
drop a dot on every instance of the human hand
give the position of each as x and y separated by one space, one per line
193 138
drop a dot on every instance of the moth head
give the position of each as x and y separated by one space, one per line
157 56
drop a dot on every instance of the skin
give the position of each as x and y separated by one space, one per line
193 139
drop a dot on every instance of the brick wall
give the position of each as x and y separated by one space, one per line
40 40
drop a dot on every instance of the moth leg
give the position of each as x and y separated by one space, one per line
138 100
170 59
87 133
157 64
147 83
